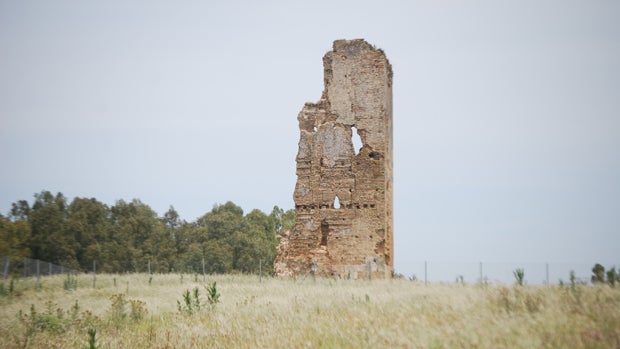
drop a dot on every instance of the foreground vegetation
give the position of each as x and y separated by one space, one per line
187 311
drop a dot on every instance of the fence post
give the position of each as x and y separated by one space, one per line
6 267
314 269
38 283
94 273
203 270
425 273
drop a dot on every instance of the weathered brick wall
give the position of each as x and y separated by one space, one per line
357 237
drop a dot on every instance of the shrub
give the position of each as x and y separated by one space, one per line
118 309
70 283
92 340
213 296
519 276
612 277
191 302
598 274
396 275
137 310
52 320
573 279
517 299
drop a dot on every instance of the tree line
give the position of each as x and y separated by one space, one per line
127 236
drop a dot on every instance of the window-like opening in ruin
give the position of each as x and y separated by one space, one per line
357 141
336 202
375 155
324 232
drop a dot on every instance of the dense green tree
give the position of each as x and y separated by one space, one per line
185 235
20 210
14 239
190 261
276 217
51 241
172 222
288 220
159 249
127 235
171 219
111 257
244 252
88 222
218 257
283 220
140 236
258 241
123 233
222 221
215 232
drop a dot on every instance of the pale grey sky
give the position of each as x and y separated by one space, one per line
506 113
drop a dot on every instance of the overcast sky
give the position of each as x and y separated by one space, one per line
506 113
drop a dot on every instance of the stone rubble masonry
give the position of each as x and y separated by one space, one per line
343 197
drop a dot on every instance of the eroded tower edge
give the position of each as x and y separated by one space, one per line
343 196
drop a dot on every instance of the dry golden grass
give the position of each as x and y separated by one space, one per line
304 314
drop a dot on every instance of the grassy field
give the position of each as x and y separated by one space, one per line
139 311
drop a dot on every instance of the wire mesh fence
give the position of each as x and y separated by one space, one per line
28 267
498 272
421 271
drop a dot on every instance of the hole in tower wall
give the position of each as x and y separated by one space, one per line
324 232
357 141
336 202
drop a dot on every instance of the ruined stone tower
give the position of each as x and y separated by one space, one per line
343 196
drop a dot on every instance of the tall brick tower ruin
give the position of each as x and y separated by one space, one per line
343 197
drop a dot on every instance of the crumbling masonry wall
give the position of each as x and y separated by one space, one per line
343 196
